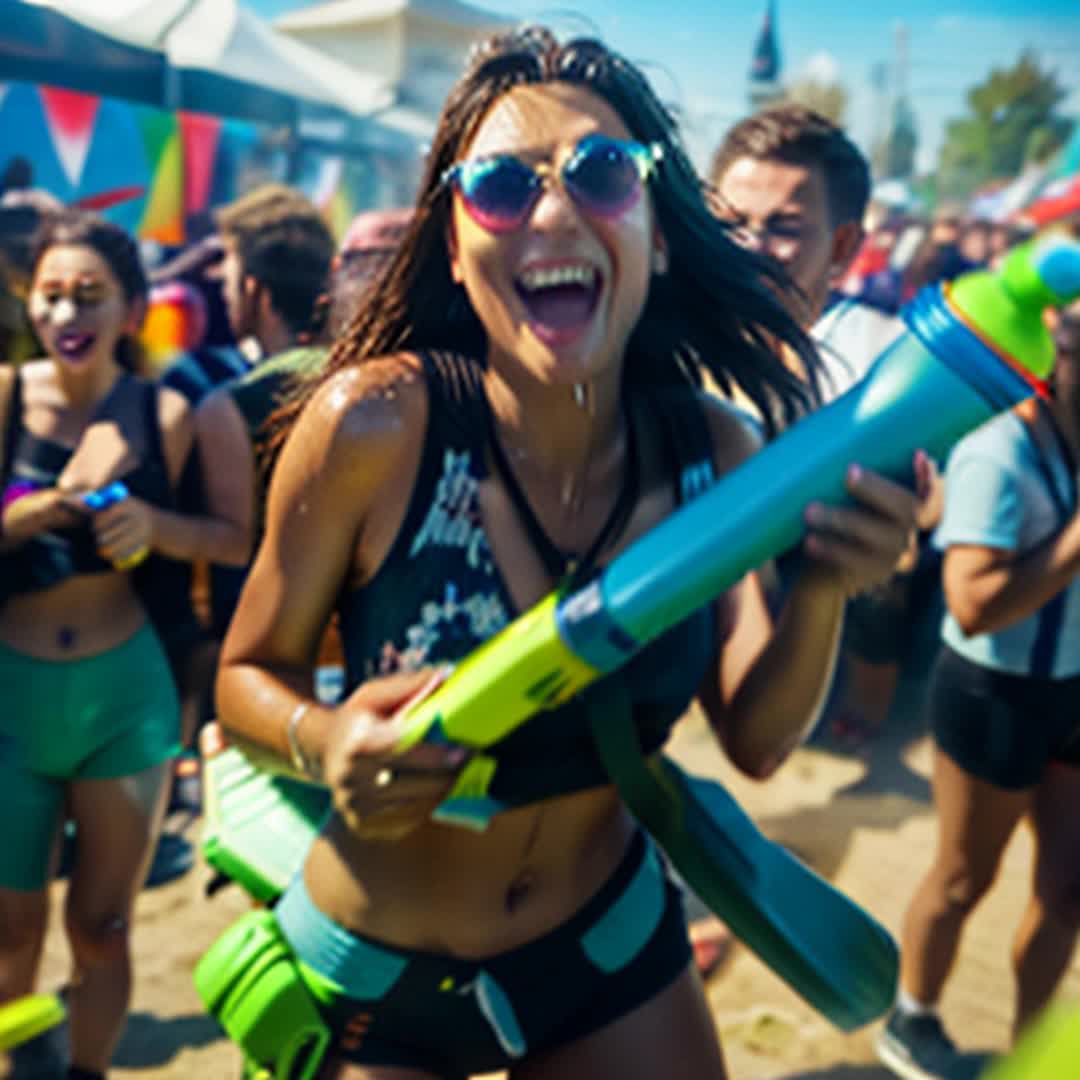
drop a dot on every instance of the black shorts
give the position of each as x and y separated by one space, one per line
456 1017
1002 728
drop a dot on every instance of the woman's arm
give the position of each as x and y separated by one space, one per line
988 589
223 534
25 514
357 442
770 680
328 476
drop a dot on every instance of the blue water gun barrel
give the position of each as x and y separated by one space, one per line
930 388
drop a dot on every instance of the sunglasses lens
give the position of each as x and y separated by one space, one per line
497 192
603 177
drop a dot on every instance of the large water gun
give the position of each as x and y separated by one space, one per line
972 350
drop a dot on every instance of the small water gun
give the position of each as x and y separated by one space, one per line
27 1017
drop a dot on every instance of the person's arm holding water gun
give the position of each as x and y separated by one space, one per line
350 449
773 676
135 526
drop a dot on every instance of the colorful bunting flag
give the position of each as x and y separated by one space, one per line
70 116
200 134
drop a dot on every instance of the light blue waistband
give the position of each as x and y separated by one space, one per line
360 968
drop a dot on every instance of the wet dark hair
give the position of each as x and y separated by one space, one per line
798 135
712 311
72 228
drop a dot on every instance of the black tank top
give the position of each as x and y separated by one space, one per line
49 558
438 594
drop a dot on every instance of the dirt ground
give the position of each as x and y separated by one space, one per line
864 822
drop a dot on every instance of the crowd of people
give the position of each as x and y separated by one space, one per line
376 454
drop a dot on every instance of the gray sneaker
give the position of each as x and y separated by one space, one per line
917 1048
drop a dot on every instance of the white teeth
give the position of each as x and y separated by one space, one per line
550 276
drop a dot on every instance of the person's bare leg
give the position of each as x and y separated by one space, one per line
975 821
870 691
671 1036
117 822
23 919
1046 937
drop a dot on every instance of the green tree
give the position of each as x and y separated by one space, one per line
993 139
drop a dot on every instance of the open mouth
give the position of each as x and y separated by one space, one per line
72 346
560 300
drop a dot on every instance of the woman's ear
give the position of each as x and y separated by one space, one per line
452 252
847 239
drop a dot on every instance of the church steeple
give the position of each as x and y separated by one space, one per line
763 84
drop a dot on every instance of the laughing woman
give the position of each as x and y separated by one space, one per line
517 402
90 713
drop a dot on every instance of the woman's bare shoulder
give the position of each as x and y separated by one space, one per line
365 415
736 435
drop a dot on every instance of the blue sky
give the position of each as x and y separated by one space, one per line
699 57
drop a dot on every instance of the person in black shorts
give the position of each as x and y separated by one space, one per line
1004 708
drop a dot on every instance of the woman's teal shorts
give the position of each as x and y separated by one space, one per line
110 715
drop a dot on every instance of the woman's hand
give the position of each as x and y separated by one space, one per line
124 532
380 794
860 546
31 511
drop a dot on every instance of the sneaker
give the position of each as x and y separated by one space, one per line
916 1047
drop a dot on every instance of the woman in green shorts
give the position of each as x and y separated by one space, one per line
90 710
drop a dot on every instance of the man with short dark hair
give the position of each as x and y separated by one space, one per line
275 275
794 186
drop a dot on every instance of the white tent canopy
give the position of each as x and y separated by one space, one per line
222 38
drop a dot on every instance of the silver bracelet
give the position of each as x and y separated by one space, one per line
300 761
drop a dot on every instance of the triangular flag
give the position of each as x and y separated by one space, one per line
163 219
156 128
765 62
70 115
200 134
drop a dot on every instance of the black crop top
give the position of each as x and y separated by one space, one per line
49 558
439 594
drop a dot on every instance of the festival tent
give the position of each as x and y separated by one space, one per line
222 59
42 45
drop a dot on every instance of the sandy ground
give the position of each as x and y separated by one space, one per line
863 822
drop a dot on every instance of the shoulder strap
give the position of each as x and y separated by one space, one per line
12 423
151 414
688 439
1050 447
458 402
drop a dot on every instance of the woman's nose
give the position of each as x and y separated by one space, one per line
64 311
554 206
